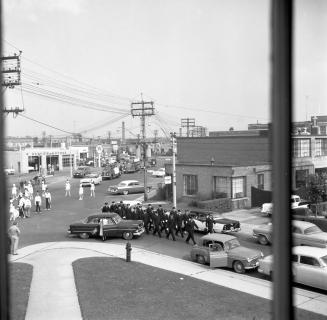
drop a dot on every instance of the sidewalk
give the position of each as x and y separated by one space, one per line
53 292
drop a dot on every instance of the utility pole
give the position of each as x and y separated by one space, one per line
11 78
188 123
155 141
143 109
173 139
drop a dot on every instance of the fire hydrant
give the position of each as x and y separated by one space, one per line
128 252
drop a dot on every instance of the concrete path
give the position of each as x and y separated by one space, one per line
53 292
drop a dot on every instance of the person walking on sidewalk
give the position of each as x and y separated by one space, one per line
92 189
37 202
14 192
27 207
47 196
80 192
67 188
190 225
179 223
43 188
14 233
156 223
209 223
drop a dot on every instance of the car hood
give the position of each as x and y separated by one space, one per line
245 252
263 227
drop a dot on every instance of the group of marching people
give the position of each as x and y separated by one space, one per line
172 223
23 197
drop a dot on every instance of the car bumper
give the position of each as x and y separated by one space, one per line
138 232
251 265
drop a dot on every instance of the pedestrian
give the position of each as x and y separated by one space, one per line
21 204
113 207
67 188
92 189
81 192
14 192
128 212
139 212
146 221
171 227
47 196
27 207
209 223
156 223
190 225
179 223
164 221
105 208
14 213
37 202
30 190
14 233
43 188
149 211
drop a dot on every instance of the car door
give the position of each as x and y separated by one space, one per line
218 257
110 228
309 271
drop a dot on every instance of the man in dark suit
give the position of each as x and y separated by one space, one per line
190 225
156 223
171 226
105 208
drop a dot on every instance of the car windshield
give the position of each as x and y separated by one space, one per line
324 259
122 184
231 244
117 218
312 230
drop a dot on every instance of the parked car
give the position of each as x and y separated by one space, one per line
128 186
81 172
9 171
221 225
113 226
110 172
304 233
309 266
222 250
95 177
161 172
267 208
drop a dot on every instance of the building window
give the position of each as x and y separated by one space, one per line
301 148
261 181
301 177
190 184
221 187
66 162
321 147
238 187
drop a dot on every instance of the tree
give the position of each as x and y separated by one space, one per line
315 189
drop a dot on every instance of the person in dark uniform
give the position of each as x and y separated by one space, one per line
149 211
179 223
133 214
190 225
156 223
171 226
209 223
160 211
185 218
113 207
146 220
128 211
119 210
139 212
164 221
174 213
105 208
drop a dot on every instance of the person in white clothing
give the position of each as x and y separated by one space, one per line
43 188
47 196
14 234
14 213
14 191
80 192
21 205
67 188
37 202
27 207
30 190
92 189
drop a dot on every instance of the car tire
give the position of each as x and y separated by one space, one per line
200 259
238 267
125 192
128 235
263 240
84 235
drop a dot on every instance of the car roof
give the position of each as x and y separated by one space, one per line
218 237
128 181
103 215
302 224
310 250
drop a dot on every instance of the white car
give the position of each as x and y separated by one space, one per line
309 266
9 171
267 208
86 182
159 173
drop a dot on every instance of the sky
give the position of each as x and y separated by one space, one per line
84 62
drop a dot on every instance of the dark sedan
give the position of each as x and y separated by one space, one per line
107 225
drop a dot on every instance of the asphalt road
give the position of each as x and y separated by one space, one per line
52 225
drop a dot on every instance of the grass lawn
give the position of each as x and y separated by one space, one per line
20 275
110 288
